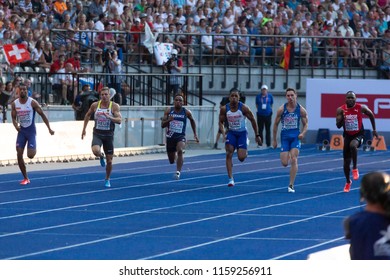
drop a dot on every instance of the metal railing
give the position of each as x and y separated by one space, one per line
138 89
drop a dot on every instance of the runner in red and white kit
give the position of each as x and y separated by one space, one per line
23 119
350 117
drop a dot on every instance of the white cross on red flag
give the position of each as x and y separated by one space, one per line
16 53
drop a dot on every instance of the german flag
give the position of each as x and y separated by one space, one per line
286 57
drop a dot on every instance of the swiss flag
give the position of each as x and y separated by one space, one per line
16 53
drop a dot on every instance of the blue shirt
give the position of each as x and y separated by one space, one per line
264 104
369 240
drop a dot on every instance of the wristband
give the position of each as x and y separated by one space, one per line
257 135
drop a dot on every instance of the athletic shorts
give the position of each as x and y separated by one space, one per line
172 143
347 142
289 142
106 141
25 137
239 140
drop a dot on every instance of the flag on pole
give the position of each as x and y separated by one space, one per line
150 38
285 64
16 53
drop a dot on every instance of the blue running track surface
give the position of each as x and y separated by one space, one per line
68 214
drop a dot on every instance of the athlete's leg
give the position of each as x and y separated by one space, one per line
347 169
353 148
284 158
347 154
229 159
31 153
171 157
294 165
22 165
242 154
97 151
180 158
108 166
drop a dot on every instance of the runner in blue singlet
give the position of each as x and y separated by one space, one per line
175 122
290 114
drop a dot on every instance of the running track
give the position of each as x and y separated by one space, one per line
67 214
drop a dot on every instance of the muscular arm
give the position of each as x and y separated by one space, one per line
38 109
117 117
305 122
14 115
193 124
222 119
339 117
166 118
248 113
276 124
370 114
87 118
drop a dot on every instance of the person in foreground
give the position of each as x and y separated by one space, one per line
369 230
175 121
350 117
290 114
236 113
106 115
23 119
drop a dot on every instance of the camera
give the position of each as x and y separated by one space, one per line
170 63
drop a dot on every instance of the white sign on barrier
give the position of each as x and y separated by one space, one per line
162 52
66 140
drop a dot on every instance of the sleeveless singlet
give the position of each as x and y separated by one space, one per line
177 127
103 125
25 114
236 120
353 119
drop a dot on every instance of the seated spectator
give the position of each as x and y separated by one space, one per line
185 42
342 48
30 91
95 9
64 84
302 46
385 65
208 47
25 9
37 55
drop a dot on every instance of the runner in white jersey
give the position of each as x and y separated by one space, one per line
23 119
107 114
236 113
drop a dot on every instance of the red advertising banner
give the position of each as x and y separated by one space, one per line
378 103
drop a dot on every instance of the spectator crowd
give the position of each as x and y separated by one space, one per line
331 33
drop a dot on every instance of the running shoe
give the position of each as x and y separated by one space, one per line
25 182
231 182
107 183
177 175
347 186
102 161
355 174
291 188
